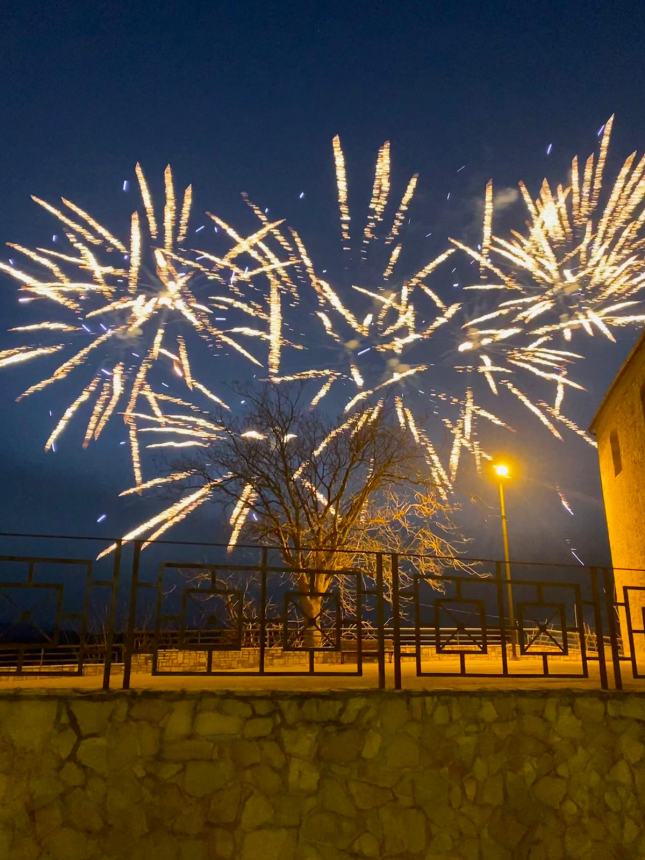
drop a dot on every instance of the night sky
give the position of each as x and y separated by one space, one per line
246 97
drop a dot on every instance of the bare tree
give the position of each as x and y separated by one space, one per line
323 493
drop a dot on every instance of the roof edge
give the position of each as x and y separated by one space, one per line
628 360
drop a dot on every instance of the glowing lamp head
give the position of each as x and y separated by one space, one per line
501 470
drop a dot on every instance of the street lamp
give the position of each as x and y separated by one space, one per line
502 471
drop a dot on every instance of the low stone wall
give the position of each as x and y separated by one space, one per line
305 776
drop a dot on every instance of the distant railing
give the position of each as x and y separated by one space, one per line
180 608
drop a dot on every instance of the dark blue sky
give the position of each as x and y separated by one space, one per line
247 96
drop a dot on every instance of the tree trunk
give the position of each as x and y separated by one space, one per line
311 606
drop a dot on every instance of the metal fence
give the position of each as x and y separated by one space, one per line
69 608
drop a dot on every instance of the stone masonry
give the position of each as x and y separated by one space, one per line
310 776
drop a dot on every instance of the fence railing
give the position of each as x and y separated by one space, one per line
179 608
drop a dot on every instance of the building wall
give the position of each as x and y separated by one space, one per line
620 432
624 494
305 776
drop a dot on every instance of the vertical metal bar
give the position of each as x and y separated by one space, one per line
111 619
396 620
608 588
132 614
417 622
83 620
600 639
630 632
263 607
380 621
502 617
181 633
312 588
359 622
578 613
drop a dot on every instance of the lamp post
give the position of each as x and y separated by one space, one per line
502 471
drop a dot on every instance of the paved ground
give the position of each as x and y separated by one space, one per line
369 679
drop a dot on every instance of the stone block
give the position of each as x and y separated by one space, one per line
631 748
269 844
300 742
303 776
401 751
394 713
334 797
213 723
82 813
187 750
29 725
92 752
341 746
550 790
192 849
367 796
327 831
441 715
568 725
179 722
487 712
367 846
263 707
372 744
589 709
47 819
290 710
221 844
25 848
506 829
258 727
44 788
63 742
204 777
352 709
225 804
191 821
246 752
621 773
257 812
265 779
68 844
272 754
233 707
404 830
91 717
149 709
321 710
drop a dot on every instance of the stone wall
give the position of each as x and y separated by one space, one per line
299 776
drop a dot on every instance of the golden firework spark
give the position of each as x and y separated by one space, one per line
122 298
579 265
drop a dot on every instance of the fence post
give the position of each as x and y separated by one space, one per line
608 583
132 616
380 621
396 621
600 639
263 607
111 620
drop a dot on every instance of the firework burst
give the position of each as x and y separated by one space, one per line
128 307
579 263
395 344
